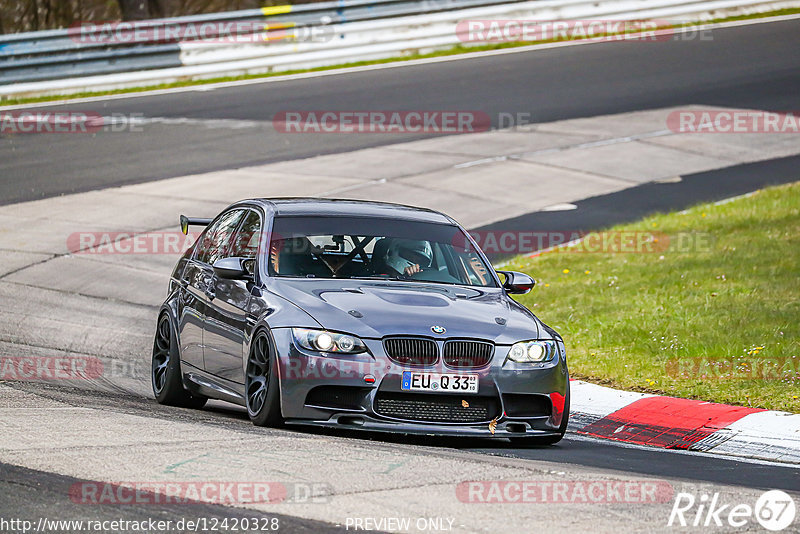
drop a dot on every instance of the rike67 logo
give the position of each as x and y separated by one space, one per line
774 510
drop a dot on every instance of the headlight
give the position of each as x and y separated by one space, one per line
322 341
533 351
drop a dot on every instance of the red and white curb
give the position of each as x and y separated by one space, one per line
673 423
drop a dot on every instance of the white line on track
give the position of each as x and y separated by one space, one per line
723 201
590 144
233 124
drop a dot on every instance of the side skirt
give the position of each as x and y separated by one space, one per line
201 383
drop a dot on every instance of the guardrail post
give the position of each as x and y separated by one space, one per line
140 9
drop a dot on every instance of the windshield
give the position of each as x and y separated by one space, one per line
368 247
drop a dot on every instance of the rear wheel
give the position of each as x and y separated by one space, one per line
534 441
261 383
166 369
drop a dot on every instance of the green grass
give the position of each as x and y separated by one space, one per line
455 50
629 319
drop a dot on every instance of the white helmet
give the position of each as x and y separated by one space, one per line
404 253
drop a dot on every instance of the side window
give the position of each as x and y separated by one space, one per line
476 272
245 242
217 239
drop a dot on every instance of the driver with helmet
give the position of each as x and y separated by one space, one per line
408 256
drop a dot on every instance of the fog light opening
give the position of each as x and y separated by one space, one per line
350 420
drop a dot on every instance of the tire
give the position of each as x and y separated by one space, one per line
165 371
540 441
262 394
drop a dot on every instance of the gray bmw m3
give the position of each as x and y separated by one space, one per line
358 315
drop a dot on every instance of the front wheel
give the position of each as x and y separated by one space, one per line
166 369
261 383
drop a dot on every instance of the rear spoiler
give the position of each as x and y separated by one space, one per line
186 222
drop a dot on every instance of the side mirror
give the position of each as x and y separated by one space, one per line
517 283
234 268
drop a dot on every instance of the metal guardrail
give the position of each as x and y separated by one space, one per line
85 50
77 59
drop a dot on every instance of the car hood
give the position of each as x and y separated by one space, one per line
374 309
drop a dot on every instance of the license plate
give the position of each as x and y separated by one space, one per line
439 382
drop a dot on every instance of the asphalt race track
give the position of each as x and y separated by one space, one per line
28 492
602 211
753 66
42 493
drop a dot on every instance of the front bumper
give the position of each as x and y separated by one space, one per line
363 391
367 423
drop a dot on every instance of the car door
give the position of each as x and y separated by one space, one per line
226 313
192 314
199 277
